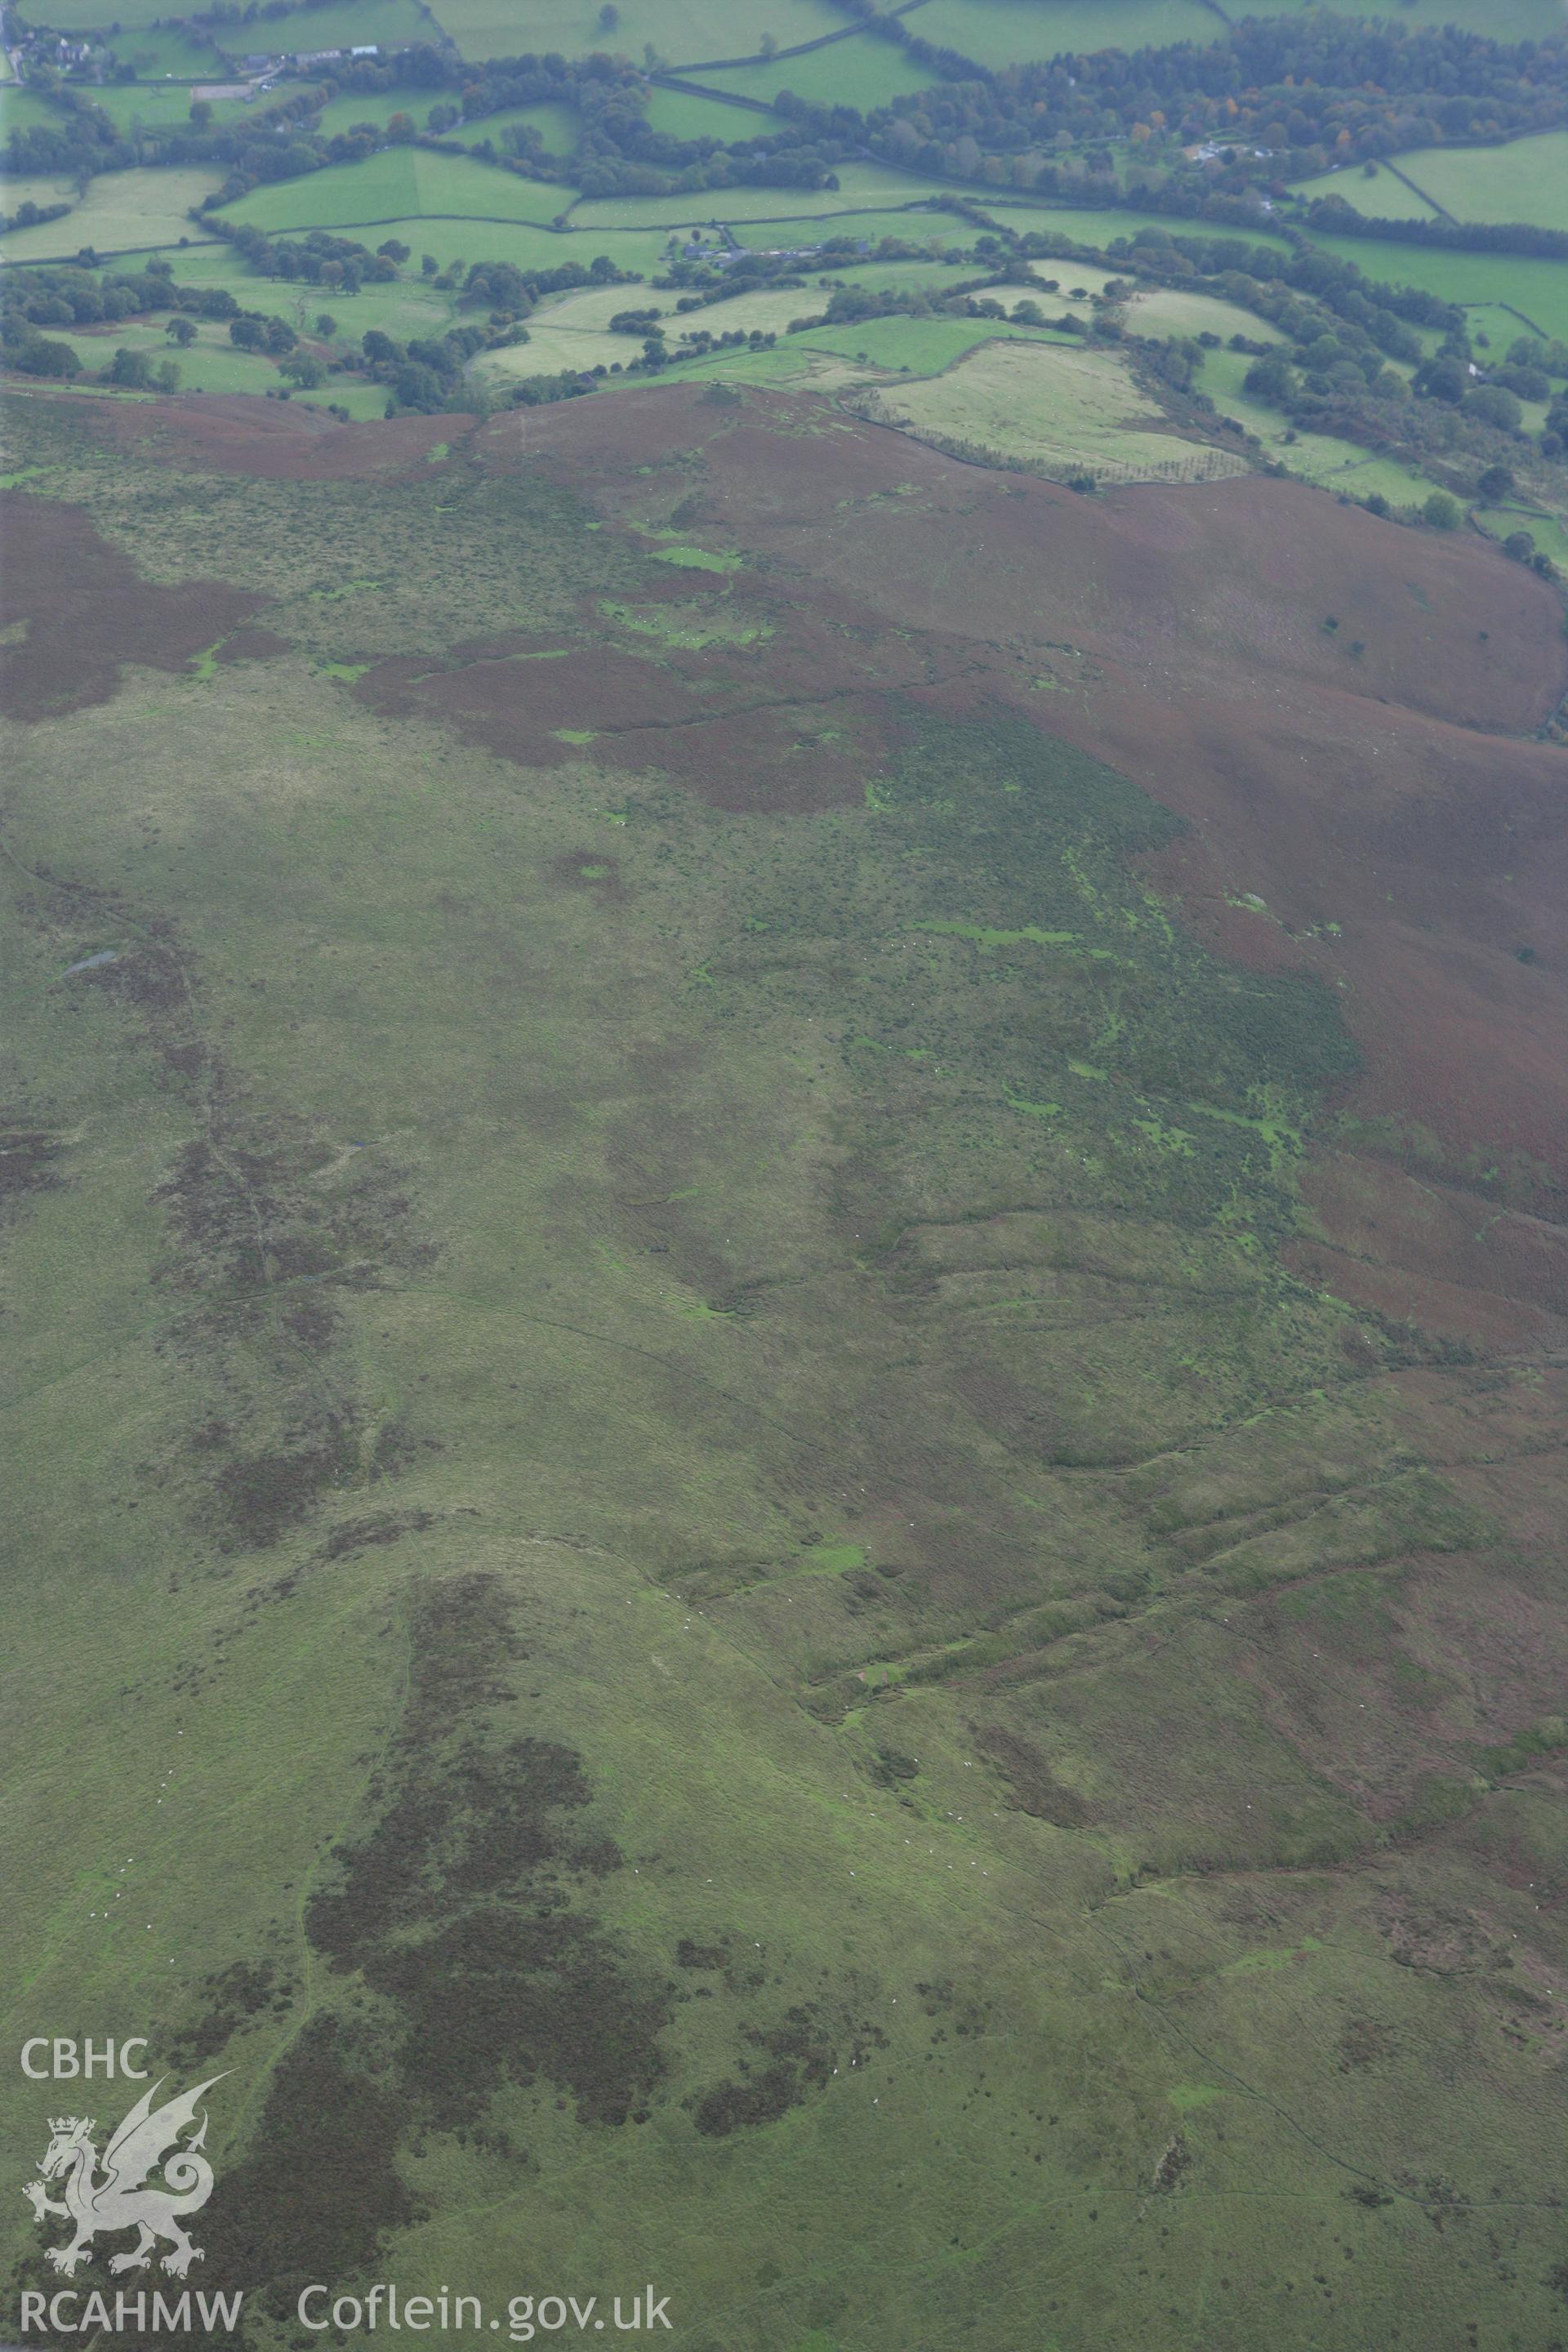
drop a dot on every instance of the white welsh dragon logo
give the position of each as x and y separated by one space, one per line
118 2197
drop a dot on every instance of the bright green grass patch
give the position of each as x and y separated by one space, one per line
1524 180
1377 191
399 184
121 211
988 939
1188 2097
696 559
832 1558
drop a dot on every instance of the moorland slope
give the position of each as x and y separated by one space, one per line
785 1303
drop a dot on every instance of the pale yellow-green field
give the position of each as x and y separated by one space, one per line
1062 411
1072 277
121 211
1170 310
572 330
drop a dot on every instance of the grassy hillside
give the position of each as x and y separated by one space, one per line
650 1362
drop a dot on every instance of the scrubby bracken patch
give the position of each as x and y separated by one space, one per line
465 1906
84 613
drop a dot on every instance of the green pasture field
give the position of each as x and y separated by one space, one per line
20 110
679 115
408 306
376 107
1099 226
122 211
560 127
524 243
211 364
920 347
910 225
683 32
1074 280
1168 311
1006 32
1492 330
37 188
1533 285
364 401
863 72
341 24
1061 410
97 15
161 51
805 363
862 187
853 357
1524 180
934 277
1379 193
569 331
161 105
1549 531
557 125
928 276
399 184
